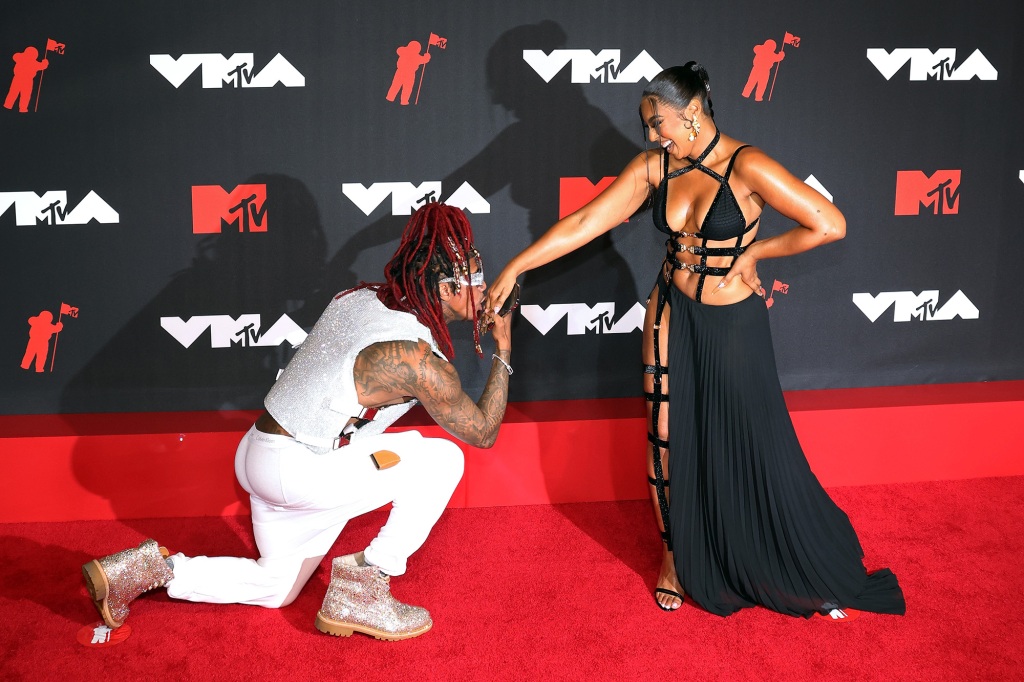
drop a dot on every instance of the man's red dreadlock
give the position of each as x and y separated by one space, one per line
437 242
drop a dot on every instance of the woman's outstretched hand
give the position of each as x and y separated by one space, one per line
499 289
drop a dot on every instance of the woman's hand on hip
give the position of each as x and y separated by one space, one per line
744 268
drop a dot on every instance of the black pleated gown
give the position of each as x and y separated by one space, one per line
750 523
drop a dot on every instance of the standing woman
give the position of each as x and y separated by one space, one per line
746 521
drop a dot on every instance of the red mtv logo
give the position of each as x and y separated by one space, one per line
574 193
244 207
939 192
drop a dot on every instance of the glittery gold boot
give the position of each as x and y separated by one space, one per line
359 600
116 580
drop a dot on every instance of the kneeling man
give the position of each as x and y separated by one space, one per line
318 456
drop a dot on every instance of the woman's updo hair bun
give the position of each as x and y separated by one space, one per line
677 85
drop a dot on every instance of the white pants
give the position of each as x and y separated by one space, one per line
301 501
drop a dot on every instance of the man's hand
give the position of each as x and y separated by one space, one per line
501 331
500 327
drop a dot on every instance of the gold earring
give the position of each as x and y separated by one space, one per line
694 129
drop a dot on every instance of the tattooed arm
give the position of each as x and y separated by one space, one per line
389 371
443 397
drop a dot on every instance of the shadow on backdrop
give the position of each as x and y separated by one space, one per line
273 273
517 159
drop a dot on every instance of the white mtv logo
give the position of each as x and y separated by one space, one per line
407 197
587 66
236 71
50 208
584 318
911 306
226 331
928 65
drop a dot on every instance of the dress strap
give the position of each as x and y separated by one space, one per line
659 443
675 247
696 163
657 397
728 171
704 154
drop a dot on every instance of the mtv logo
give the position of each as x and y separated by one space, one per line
50 208
226 331
407 197
583 318
939 191
244 208
587 66
927 65
575 193
911 306
237 71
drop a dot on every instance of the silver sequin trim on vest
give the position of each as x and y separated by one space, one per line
315 396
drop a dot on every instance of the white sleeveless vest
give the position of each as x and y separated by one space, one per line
315 396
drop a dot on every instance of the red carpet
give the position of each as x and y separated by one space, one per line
544 593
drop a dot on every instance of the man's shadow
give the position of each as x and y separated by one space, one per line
515 161
273 273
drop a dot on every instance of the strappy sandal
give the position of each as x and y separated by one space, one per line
671 593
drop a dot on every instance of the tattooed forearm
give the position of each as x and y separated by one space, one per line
443 385
475 423
385 372
495 396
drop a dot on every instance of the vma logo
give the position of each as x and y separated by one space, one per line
407 197
583 318
911 306
813 182
236 71
939 191
243 208
51 208
926 65
604 67
226 331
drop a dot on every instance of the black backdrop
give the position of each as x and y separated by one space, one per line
147 170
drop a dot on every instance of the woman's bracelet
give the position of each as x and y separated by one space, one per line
507 366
